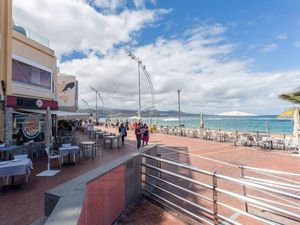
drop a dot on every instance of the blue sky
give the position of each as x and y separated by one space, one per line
225 55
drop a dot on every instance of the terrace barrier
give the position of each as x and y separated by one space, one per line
211 198
99 196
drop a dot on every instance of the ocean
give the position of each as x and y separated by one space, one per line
251 123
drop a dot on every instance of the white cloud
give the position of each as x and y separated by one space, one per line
282 36
199 61
297 44
210 82
268 48
141 3
109 5
75 25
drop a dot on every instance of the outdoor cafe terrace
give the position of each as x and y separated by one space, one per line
24 203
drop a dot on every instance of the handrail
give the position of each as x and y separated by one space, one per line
273 182
267 183
252 200
208 199
236 180
270 171
194 204
229 193
174 205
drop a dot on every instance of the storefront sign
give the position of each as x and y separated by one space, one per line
31 127
39 103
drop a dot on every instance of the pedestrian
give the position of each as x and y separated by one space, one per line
123 133
138 135
146 135
127 125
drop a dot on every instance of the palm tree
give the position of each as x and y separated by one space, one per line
292 97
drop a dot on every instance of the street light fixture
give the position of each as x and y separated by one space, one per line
97 94
86 105
143 67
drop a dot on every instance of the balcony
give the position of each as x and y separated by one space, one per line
18 27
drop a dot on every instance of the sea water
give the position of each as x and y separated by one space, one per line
249 123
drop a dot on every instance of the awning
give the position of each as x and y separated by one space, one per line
60 114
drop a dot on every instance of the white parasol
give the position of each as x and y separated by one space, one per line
48 144
236 113
201 121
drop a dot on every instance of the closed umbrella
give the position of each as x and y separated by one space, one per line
201 121
296 123
48 128
48 144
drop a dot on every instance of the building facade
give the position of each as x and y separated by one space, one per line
28 79
67 93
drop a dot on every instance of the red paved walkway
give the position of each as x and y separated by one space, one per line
223 158
22 207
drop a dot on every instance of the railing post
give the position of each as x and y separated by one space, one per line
158 165
244 187
215 198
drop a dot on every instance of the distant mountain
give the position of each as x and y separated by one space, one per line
108 112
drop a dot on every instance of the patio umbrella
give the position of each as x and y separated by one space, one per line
268 128
236 114
296 123
201 121
297 126
48 128
48 144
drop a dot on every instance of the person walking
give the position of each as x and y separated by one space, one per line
123 133
138 135
146 135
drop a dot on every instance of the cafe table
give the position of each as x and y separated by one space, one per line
69 150
88 146
15 167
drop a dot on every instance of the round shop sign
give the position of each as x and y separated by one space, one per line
31 127
39 103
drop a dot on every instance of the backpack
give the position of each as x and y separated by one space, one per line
123 132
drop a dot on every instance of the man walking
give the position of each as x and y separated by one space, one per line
123 133
138 135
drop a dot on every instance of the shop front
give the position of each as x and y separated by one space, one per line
23 124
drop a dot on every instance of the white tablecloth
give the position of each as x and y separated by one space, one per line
63 151
12 168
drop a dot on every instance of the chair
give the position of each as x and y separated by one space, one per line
52 154
291 144
99 148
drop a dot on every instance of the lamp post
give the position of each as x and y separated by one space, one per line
97 93
178 92
86 105
101 102
143 67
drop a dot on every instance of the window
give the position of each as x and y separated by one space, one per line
29 74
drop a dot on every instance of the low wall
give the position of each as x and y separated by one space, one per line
99 196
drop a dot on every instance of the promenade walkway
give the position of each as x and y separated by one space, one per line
22 207
223 158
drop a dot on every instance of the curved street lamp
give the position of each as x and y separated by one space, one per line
86 105
143 67
97 94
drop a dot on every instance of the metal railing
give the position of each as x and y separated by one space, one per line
27 32
276 200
